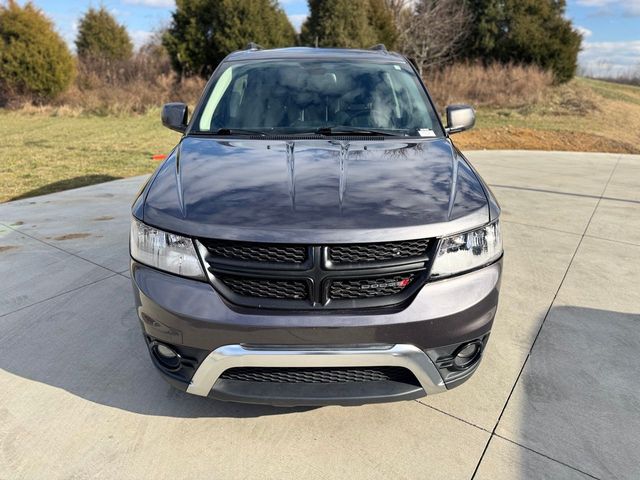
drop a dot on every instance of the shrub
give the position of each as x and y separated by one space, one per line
383 23
524 31
34 61
349 24
203 32
338 23
101 37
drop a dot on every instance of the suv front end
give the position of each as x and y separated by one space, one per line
314 267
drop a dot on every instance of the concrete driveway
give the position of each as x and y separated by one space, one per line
557 396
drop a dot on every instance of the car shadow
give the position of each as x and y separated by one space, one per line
577 399
108 368
88 342
66 184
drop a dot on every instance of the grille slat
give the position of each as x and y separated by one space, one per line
320 374
351 289
267 288
254 252
378 252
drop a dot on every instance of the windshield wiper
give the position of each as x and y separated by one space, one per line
237 131
324 131
328 131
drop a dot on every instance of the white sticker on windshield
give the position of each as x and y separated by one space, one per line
426 132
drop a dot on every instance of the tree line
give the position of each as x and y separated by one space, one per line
430 32
35 60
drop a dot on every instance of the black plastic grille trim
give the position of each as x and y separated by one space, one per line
267 288
307 277
255 252
369 287
377 252
320 374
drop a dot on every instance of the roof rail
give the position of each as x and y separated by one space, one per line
253 46
379 48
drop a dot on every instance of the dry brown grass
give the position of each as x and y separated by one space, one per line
496 85
133 86
147 81
136 96
582 115
519 138
572 98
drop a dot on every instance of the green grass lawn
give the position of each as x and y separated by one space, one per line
41 154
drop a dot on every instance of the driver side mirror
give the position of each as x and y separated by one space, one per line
460 117
175 116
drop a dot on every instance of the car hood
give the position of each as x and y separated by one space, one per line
315 190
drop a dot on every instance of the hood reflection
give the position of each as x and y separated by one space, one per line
314 184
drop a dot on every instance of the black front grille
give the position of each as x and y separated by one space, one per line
267 288
378 252
320 375
369 287
256 252
289 276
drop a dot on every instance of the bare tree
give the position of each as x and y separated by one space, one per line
397 8
432 31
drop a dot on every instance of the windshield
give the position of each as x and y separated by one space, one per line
311 96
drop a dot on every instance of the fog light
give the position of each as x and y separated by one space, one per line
168 357
467 355
166 352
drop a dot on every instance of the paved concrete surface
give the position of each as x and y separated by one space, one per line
557 396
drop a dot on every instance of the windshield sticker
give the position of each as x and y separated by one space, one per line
426 132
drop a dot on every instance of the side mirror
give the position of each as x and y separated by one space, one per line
460 118
174 116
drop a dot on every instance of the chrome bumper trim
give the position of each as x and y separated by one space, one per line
400 355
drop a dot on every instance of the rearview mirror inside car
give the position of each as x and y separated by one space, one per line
174 116
460 117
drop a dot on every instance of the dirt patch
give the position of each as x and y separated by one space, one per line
104 218
72 236
5 248
512 138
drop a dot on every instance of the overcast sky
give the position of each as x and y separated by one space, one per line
611 28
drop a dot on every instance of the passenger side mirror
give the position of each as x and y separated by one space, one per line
460 117
175 116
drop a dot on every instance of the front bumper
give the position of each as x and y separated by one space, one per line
214 335
236 356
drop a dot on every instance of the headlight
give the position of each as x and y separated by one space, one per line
164 251
466 251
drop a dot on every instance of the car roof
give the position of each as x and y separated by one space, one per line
299 53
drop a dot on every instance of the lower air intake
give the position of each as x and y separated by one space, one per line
320 375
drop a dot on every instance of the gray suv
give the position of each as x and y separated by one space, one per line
315 237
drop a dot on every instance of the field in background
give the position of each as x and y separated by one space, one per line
57 148
584 115
41 153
